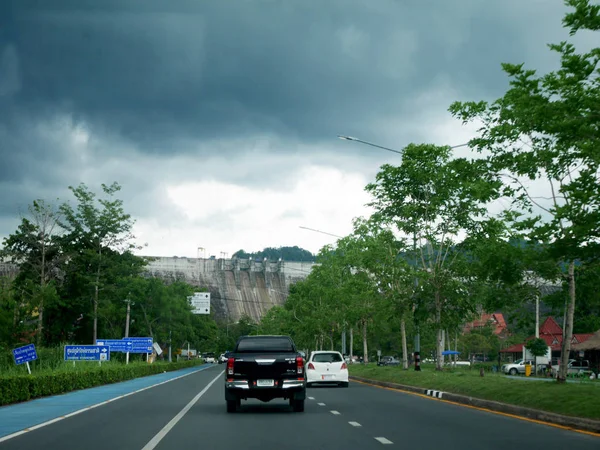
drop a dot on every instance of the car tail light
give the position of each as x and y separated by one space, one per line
310 366
344 366
299 364
230 366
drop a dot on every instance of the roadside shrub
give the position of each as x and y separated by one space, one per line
22 387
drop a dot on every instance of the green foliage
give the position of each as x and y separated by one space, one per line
294 253
24 387
537 347
76 271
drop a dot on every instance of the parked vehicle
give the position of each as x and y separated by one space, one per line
388 361
326 367
265 368
576 367
517 367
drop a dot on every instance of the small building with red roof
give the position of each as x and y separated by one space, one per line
552 333
495 320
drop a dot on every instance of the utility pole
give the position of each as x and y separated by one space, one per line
418 332
128 301
170 358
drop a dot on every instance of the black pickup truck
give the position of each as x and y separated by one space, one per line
265 368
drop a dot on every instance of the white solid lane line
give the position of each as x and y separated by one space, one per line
168 427
384 440
355 424
335 413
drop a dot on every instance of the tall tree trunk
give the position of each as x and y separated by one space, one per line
365 347
351 342
568 334
404 344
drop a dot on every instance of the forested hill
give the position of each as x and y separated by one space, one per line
294 253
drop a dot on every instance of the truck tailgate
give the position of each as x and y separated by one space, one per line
273 366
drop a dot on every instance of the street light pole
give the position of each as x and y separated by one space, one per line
417 354
344 328
128 316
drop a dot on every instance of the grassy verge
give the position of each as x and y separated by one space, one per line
65 377
572 399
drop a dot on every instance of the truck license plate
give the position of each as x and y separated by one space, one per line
265 383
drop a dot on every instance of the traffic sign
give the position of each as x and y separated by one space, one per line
128 345
87 353
200 302
25 354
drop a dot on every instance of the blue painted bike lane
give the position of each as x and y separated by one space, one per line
14 418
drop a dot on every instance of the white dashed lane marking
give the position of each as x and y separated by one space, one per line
321 404
384 440
355 424
335 413
311 398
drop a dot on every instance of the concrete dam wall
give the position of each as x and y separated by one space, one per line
238 287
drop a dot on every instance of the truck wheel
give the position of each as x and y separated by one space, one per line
232 406
297 405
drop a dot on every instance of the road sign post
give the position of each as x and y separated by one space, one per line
25 354
128 345
200 302
87 353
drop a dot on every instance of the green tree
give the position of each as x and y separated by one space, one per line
383 258
546 128
36 248
434 198
93 227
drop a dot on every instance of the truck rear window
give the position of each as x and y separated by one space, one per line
266 344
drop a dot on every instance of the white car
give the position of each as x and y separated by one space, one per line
326 367
209 358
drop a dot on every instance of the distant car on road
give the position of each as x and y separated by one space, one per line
209 357
265 368
326 367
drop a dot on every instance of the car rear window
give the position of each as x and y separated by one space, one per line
265 344
327 357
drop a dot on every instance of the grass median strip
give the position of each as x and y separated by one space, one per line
572 399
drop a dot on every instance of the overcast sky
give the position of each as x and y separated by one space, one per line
219 118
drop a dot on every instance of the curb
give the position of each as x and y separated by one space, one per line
576 423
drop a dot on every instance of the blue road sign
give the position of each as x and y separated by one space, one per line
25 354
131 345
87 353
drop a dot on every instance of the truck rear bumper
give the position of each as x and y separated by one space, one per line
235 389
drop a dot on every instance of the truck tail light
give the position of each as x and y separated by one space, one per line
299 364
310 366
344 366
230 366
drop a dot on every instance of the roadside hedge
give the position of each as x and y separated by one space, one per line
16 388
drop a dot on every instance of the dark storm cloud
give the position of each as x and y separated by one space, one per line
162 73
181 77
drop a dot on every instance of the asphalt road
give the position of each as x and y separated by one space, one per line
189 413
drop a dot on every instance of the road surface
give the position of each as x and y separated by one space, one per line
189 413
